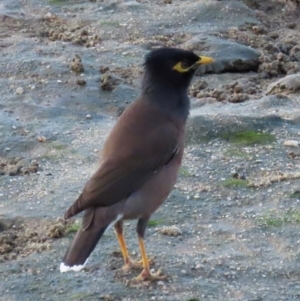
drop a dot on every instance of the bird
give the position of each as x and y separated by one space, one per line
140 160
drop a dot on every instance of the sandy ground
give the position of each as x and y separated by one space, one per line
230 228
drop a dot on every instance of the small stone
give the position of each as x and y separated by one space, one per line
170 230
107 297
291 25
109 82
88 116
103 69
41 139
273 35
160 283
84 32
76 64
80 82
34 163
293 143
238 89
258 29
19 90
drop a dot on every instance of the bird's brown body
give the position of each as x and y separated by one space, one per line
139 166
156 140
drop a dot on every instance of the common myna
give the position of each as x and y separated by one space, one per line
140 159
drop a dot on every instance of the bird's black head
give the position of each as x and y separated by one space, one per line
173 67
168 73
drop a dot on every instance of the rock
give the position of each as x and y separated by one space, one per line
34 163
238 97
294 143
199 102
196 86
103 69
291 25
295 52
41 139
76 64
213 120
5 224
80 82
258 29
214 15
48 15
56 230
229 56
19 90
288 84
286 46
273 35
109 82
170 230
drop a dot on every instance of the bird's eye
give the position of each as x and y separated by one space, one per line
182 67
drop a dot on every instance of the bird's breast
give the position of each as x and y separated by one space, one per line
153 193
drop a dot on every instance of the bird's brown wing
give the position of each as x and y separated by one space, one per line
122 174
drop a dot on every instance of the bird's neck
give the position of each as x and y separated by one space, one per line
174 100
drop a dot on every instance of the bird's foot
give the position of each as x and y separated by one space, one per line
132 264
146 275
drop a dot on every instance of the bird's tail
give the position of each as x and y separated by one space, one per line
82 246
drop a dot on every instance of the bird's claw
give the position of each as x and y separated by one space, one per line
148 276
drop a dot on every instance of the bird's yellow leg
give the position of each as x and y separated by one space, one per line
129 263
146 274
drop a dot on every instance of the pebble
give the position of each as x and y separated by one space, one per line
41 139
19 90
88 116
294 143
80 82
170 230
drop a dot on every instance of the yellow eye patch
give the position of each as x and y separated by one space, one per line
181 67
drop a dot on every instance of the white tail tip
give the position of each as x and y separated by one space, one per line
75 268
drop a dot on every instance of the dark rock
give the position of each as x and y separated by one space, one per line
229 56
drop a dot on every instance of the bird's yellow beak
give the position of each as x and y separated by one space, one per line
203 60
